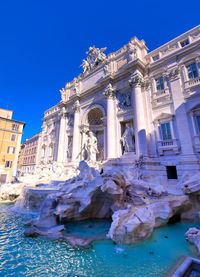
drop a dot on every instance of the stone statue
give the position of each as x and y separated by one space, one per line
85 65
132 51
63 94
106 69
95 57
69 149
76 86
70 118
91 147
128 139
124 100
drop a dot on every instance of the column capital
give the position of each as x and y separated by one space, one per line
76 106
109 91
136 80
62 112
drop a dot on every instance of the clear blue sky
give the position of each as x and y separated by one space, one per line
42 43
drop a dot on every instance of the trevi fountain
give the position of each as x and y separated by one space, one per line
116 191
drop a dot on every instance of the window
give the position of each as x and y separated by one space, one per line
184 42
198 122
8 164
13 137
192 71
11 150
159 83
155 58
171 172
15 127
166 132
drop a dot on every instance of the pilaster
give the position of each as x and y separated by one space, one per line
180 112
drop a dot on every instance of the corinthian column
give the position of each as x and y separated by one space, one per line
76 132
111 122
61 141
136 82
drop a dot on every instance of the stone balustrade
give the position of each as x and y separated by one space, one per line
51 111
168 145
192 83
174 46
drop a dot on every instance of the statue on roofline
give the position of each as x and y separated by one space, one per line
95 57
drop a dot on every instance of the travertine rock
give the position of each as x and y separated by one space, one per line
136 206
193 236
9 192
54 232
137 223
47 218
191 184
130 226
30 199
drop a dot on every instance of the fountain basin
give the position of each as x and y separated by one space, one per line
44 257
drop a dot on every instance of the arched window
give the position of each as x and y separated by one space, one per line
95 117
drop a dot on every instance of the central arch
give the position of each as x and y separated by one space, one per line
94 120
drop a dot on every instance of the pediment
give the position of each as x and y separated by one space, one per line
163 116
189 57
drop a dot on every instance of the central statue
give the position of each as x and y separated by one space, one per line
91 147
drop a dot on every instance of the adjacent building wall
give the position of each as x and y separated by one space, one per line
10 138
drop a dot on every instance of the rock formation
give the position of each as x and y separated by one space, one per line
136 206
193 236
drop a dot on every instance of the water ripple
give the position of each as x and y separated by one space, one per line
22 256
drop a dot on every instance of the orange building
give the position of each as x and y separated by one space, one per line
10 138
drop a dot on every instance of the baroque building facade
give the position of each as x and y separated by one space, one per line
131 105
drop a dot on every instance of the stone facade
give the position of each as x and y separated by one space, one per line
30 154
137 105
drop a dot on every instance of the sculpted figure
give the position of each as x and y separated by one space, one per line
95 57
91 147
124 100
106 69
100 55
85 65
63 94
69 149
76 86
132 50
128 139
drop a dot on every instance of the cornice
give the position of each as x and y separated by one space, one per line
11 131
175 40
181 51
12 120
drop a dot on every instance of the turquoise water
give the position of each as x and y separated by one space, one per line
22 256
